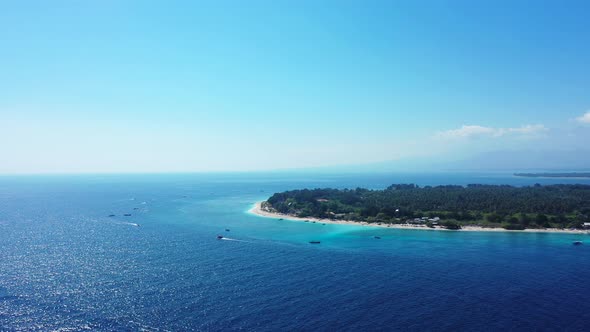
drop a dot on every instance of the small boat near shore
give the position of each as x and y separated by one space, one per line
577 243
219 237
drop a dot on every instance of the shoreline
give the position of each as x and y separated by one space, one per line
259 211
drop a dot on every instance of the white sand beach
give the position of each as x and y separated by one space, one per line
259 210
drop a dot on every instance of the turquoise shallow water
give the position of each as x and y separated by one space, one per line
64 264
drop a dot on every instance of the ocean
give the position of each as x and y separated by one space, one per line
65 265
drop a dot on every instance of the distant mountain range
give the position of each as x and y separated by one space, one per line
509 161
555 175
526 160
523 161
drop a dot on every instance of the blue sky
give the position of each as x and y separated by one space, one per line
152 86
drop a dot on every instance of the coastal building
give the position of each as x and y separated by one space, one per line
415 221
586 225
337 215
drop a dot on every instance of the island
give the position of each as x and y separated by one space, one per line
554 175
562 208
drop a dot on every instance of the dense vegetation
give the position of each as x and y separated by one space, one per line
560 206
554 175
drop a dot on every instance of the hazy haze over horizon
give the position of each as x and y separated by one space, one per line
143 86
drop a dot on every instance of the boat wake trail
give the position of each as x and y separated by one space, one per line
230 239
128 223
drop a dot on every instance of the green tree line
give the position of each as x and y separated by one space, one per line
497 205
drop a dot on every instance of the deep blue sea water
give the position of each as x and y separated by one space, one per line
66 266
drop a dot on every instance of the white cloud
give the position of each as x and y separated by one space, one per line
585 119
468 131
524 130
